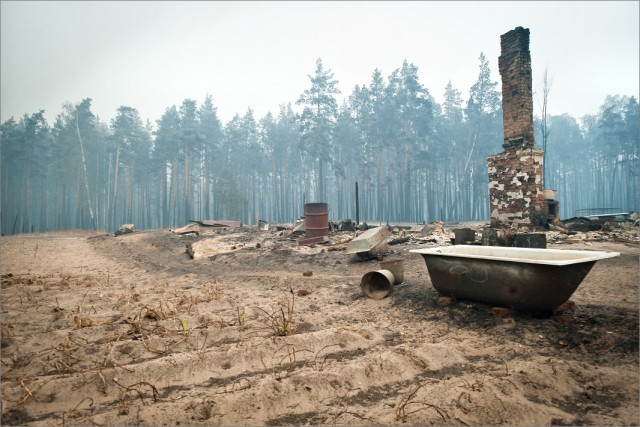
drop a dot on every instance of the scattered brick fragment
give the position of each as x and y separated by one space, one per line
502 312
444 301
562 318
562 308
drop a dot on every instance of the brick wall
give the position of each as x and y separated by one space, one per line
515 175
515 188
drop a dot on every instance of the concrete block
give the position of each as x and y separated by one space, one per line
368 240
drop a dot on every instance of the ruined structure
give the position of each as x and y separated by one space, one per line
515 175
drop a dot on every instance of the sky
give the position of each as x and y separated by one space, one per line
151 55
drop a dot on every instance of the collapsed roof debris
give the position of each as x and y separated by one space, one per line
377 242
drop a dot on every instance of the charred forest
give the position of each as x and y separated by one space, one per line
413 159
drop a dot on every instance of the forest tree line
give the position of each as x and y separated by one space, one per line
414 159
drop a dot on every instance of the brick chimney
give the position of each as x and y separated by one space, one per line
515 175
517 96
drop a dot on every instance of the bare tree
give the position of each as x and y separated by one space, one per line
544 124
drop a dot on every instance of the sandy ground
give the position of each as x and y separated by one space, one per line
130 330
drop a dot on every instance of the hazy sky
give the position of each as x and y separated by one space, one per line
151 55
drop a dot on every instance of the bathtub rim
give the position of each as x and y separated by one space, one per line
557 257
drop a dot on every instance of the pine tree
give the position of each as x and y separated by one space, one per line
210 130
165 158
318 118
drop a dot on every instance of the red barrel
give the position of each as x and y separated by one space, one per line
316 219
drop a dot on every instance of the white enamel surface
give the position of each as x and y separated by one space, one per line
520 255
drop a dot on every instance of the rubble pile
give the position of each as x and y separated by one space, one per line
231 236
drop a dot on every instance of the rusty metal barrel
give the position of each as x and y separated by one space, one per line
316 219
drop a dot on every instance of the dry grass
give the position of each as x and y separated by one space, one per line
278 322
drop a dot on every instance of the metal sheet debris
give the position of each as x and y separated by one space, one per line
187 229
217 223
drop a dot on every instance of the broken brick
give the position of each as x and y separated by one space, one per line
563 319
562 308
502 312
444 301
